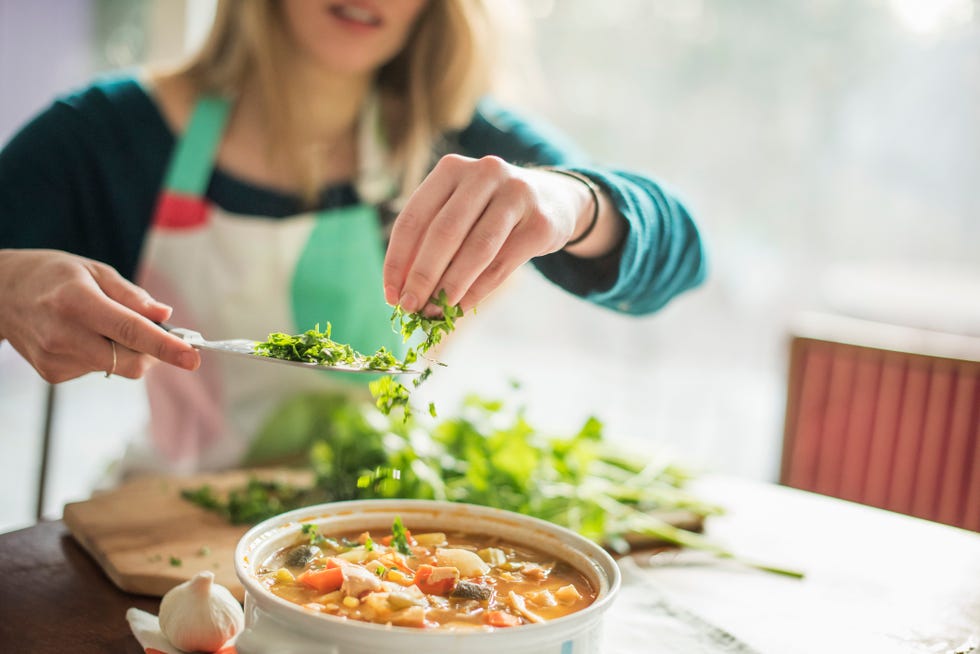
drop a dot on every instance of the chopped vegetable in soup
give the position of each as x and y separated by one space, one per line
425 580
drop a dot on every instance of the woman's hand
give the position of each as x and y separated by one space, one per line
60 311
473 222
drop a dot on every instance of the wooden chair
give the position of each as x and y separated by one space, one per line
886 416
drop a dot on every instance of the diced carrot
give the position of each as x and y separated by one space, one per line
436 581
324 581
501 619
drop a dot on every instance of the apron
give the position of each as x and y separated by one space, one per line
240 276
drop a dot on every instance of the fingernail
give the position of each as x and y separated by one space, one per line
408 302
390 294
156 304
187 360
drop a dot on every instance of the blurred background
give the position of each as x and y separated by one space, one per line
829 150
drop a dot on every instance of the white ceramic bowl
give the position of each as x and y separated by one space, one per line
274 625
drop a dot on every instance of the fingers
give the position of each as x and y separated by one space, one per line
128 363
63 309
480 248
128 294
516 251
97 309
411 226
450 230
139 334
74 353
450 249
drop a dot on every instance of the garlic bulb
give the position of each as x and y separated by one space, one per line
200 615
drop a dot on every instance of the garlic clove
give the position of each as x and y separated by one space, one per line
200 615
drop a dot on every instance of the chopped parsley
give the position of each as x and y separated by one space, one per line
434 328
390 393
314 346
399 536
311 531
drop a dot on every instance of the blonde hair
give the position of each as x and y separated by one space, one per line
430 87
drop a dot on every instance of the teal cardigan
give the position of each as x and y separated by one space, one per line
83 176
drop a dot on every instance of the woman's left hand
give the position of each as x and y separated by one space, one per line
473 222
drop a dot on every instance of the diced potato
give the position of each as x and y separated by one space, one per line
535 571
334 597
413 616
401 600
283 575
493 555
541 597
356 555
568 594
520 606
351 602
433 539
376 606
468 563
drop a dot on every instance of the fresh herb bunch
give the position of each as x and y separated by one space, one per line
489 454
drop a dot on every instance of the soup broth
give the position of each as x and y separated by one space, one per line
429 580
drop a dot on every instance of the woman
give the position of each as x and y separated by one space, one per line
251 191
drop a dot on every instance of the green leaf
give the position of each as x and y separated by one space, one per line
399 536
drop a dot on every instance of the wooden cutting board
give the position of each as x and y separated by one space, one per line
148 539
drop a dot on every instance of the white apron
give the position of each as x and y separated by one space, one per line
239 276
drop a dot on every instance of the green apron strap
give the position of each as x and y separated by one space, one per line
338 278
191 165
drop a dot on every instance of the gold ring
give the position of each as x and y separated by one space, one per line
113 369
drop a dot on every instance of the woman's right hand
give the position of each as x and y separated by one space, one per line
60 311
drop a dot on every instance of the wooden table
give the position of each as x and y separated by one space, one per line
876 582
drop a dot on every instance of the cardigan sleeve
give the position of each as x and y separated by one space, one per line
82 176
661 254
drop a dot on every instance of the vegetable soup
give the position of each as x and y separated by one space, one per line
425 580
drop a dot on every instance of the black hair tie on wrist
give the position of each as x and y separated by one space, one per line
594 191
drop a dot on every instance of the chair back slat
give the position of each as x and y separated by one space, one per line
891 429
